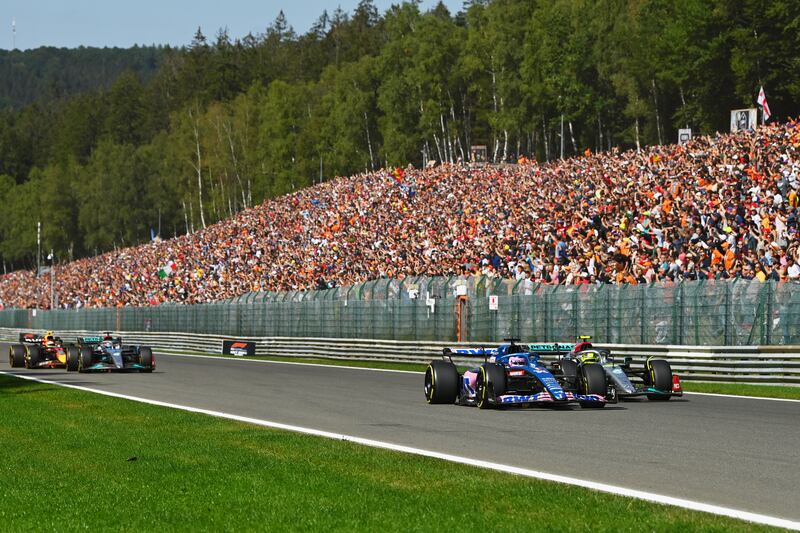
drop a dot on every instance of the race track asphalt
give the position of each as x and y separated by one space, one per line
734 452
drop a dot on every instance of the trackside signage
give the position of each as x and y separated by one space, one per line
238 348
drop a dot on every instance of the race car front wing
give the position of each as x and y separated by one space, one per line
543 397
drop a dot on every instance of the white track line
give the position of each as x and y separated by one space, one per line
418 372
741 396
602 487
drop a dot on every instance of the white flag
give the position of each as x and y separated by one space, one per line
762 101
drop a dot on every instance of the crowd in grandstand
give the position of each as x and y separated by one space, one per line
719 207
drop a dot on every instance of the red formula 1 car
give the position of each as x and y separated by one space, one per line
38 351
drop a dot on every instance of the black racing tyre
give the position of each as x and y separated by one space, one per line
73 356
441 382
569 369
491 383
16 356
84 358
593 381
33 358
660 378
146 359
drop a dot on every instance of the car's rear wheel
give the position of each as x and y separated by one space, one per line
84 359
569 369
33 358
441 382
593 381
660 378
73 356
491 383
146 359
16 356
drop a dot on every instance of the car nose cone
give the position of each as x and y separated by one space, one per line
116 356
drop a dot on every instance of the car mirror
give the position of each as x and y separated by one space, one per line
628 361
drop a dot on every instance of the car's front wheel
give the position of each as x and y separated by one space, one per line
491 383
660 378
84 359
34 357
146 359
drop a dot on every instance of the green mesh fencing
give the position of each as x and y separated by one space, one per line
427 309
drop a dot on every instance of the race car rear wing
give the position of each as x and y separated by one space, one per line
551 348
96 339
31 338
448 353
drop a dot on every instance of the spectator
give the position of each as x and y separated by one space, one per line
715 208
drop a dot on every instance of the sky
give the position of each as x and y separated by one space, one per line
123 23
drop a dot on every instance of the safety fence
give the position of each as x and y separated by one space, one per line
473 309
764 364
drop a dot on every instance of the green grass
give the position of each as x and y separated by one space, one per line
67 466
766 391
744 389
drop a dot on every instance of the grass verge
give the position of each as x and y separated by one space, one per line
736 389
74 460
744 389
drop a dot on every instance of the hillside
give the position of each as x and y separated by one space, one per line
718 208
47 73
231 121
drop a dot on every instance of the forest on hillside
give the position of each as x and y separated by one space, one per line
48 73
227 121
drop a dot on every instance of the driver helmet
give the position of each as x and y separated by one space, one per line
581 346
517 361
108 341
49 339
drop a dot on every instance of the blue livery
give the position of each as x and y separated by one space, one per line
510 375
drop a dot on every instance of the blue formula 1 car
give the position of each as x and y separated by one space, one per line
109 354
510 375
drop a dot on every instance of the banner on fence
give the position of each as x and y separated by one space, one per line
238 348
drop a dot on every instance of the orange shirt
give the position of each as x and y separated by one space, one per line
730 257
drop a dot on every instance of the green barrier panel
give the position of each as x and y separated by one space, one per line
740 312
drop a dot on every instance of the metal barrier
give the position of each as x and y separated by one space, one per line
751 364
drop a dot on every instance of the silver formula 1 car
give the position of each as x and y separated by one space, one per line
108 353
655 381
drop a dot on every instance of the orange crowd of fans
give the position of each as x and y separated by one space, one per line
719 207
